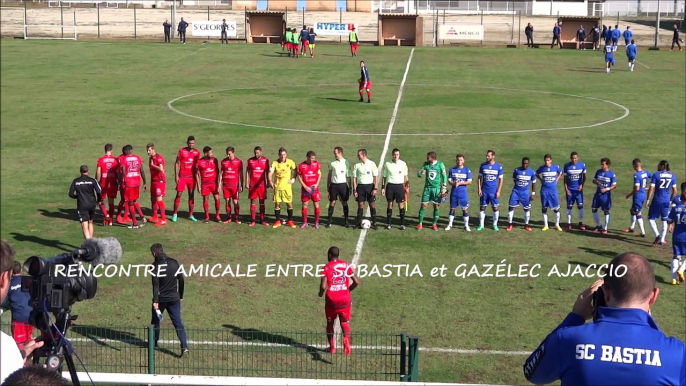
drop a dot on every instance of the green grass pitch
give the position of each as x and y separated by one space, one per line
62 101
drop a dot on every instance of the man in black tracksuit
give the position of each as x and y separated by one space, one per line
224 37
182 31
676 39
581 37
87 193
167 31
529 32
167 293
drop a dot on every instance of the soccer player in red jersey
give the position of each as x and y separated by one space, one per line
184 174
132 171
158 185
336 284
208 177
231 181
106 174
309 175
256 181
122 207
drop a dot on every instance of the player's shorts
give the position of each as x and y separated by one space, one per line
602 201
614 42
289 46
132 193
312 45
575 197
305 43
283 195
659 209
21 332
457 200
368 86
257 192
230 192
339 192
158 189
355 44
631 58
185 183
296 46
86 214
519 197
109 188
343 314
679 248
431 195
395 192
364 193
489 198
315 196
550 200
637 203
627 42
207 189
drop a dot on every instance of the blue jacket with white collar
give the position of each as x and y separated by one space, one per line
624 346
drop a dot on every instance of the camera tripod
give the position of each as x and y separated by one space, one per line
56 349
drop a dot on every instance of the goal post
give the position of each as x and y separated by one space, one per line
50 32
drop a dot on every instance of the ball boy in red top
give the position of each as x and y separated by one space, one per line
184 174
309 175
231 181
107 174
365 83
132 172
256 182
208 177
336 285
158 185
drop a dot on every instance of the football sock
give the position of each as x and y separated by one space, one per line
317 213
422 211
262 212
496 216
104 210
330 333
361 94
389 214
482 217
132 211
236 209
330 213
121 207
163 213
451 217
607 221
557 218
290 214
545 220
402 216
369 95
111 209
527 217
581 215
633 221
596 217
373 213
154 208
206 206
675 266
252 212
639 219
359 216
664 231
510 216
217 207
277 214
304 213
346 212
228 210
177 202
191 206
138 209
437 213
653 226
569 216
683 264
465 218
345 326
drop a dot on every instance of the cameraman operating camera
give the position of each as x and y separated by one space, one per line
622 346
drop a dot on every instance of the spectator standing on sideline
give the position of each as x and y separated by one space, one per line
352 39
595 35
87 193
580 353
675 39
224 37
167 31
581 37
529 32
556 36
167 293
182 31
18 302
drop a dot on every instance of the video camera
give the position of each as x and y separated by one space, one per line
598 300
55 284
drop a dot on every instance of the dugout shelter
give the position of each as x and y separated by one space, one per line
571 24
264 26
400 30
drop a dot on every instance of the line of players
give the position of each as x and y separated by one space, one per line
631 53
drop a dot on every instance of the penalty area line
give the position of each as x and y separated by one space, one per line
363 234
642 64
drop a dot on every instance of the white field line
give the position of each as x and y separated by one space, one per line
192 53
304 346
363 233
642 64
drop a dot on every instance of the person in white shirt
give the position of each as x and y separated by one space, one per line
11 358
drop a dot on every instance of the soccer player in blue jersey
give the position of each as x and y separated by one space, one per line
641 181
549 174
631 51
627 36
609 58
662 190
490 183
606 181
524 177
459 177
365 83
616 34
574 178
677 225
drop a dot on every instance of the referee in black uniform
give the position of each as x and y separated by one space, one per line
87 193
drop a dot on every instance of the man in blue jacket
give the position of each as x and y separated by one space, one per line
556 36
182 31
622 346
616 33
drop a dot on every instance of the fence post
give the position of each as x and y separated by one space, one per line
340 21
414 359
519 29
513 25
403 357
62 20
208 19
75 34
24 26
135 30
482 23
98 8
151 349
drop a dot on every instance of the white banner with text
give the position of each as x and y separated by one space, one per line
334 29
461 32
212 28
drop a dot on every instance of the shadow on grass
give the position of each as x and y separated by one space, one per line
342 56
251 334
339 99
276 55
104 336
586 70
64 214
39 240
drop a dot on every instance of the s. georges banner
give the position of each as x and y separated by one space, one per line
212 28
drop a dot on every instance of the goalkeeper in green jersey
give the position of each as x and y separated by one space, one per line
435 187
